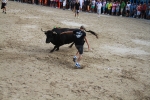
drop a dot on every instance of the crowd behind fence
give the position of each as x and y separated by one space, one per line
114 8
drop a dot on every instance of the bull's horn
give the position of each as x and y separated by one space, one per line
93 33
54 32
42 30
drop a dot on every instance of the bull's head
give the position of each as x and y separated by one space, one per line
49 35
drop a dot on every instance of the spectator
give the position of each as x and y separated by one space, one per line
64 4
113 8
117 8
93 5
131 10
104 6
109 8
84 5
81 4
42 2
148 11
69 4
138 10
134 10
56 3
99 6
51 3
61 3
143 10
88 5
72 4
3 6
76 8
32 1
36 1
122 5
128 9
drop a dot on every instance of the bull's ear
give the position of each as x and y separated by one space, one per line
54 32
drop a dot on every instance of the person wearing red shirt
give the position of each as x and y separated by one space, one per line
138 10
143 10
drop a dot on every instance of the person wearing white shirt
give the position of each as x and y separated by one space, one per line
81 4
99 6
4 2
128 9
64 4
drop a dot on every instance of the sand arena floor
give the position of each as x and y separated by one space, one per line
117 67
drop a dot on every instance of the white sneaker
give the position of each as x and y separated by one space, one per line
77 65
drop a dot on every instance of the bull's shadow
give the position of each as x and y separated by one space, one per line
63 57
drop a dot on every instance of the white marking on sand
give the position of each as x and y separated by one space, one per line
124 50
16 10
142 42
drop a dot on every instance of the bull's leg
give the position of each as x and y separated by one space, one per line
53 48
71 45
57 48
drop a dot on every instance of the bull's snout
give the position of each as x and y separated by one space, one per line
48 41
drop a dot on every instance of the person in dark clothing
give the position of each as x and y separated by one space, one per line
3 6
76 8
84 5
79 40
88 5
72 4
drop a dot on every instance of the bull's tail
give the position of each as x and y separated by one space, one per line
93 33
42 30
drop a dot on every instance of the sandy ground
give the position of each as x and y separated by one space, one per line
117 67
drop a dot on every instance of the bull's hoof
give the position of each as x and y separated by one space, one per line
56 49
70 46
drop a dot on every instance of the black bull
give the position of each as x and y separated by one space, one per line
58 40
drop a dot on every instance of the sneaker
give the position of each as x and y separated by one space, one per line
77 65
74 58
